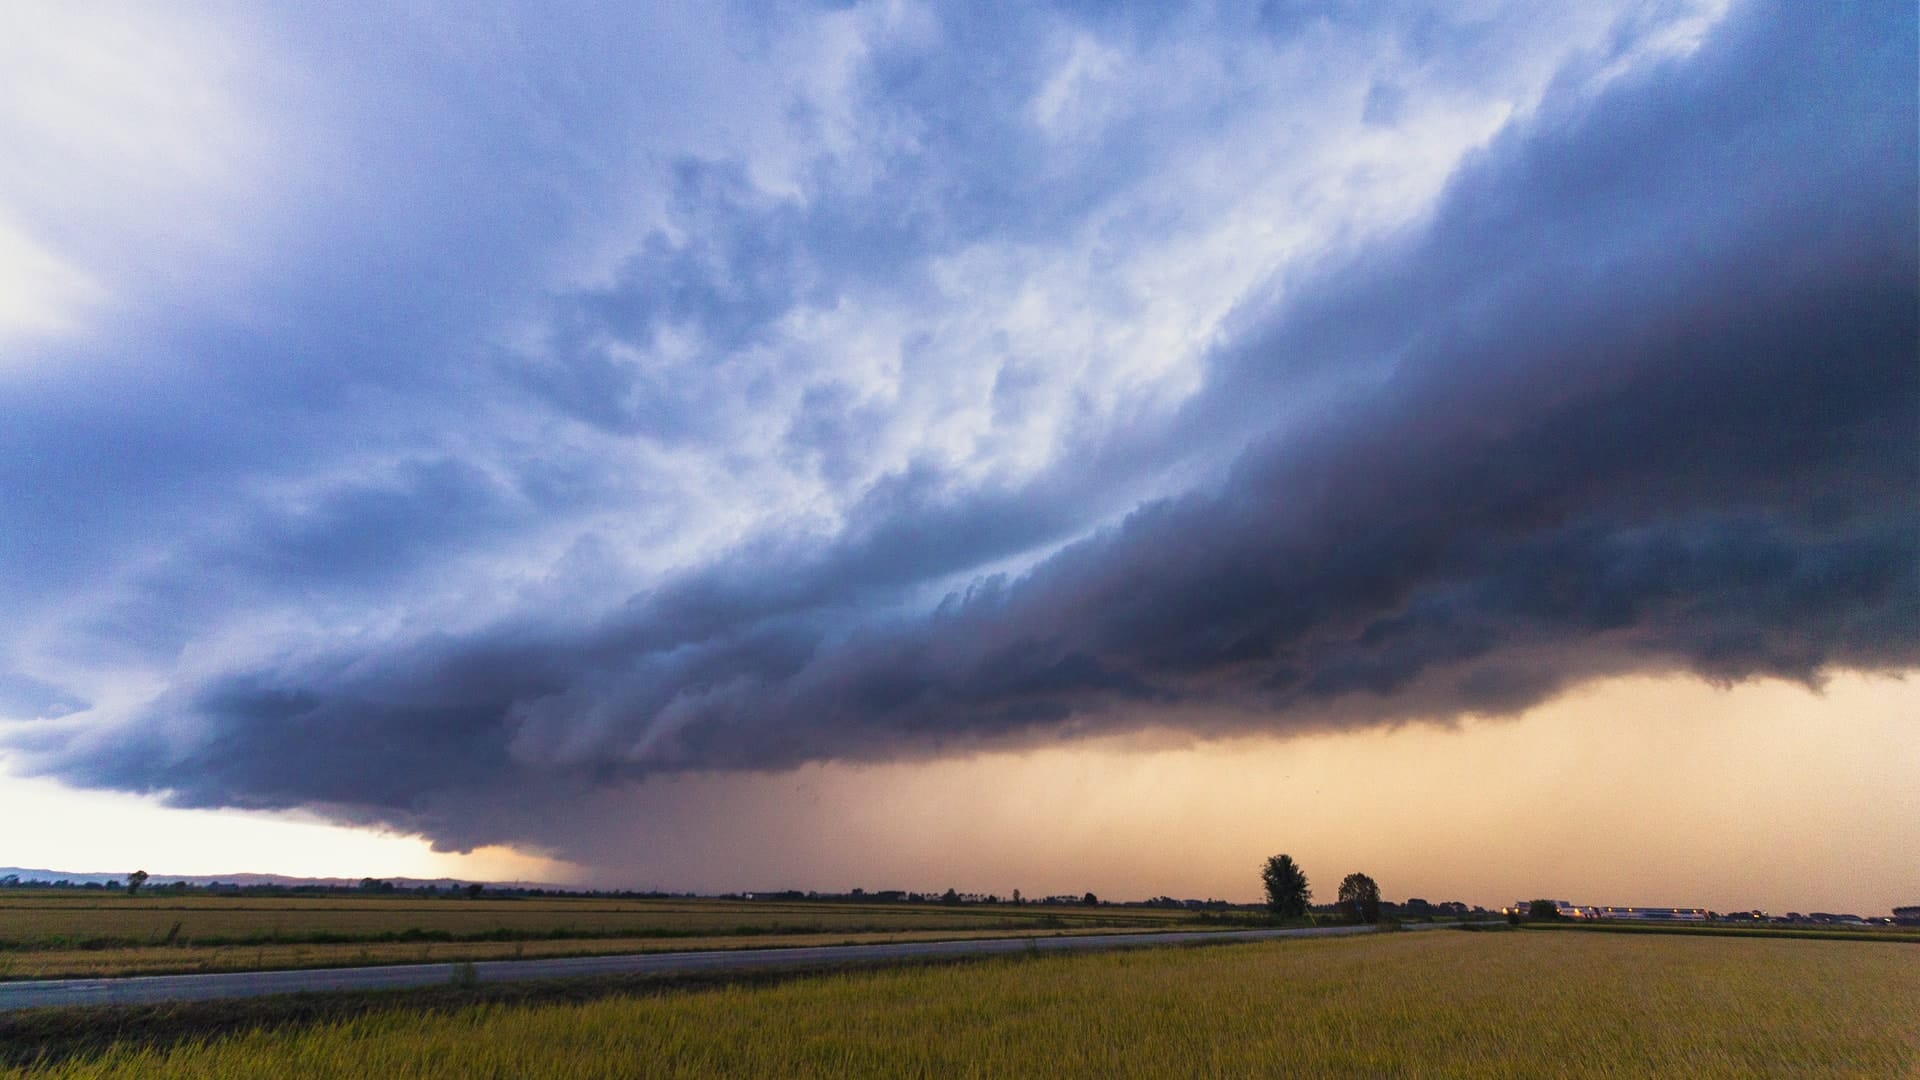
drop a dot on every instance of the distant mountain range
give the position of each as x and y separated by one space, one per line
30 874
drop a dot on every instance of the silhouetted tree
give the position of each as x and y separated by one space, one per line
1287 888
1542 909
474 890
135 880
1090 900
1360 898
950 897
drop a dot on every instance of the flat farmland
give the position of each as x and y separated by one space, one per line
45 936
1435 1004
204 959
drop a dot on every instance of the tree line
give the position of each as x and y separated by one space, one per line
1289 894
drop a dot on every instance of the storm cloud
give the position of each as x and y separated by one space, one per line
1636 390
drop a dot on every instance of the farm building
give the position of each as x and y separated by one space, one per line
1592 911
1653 914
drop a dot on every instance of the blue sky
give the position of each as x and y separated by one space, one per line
446 419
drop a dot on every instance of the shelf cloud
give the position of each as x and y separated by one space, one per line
983 395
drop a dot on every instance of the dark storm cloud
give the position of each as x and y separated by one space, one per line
1641 396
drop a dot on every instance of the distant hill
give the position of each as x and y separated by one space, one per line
31 874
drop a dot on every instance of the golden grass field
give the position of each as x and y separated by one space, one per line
1442 1004
175 960
53 920
89 936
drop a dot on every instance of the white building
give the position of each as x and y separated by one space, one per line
1637 914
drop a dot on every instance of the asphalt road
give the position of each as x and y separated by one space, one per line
148 989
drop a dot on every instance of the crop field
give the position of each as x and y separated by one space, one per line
1433 1004
219 920
51 937
1811 933
178 960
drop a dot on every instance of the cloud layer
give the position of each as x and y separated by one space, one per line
987 394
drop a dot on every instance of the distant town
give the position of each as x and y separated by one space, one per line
1561 909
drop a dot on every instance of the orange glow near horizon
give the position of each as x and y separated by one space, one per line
1638 791
1634 791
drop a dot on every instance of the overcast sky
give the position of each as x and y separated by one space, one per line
595 438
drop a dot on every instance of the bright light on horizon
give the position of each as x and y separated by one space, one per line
87 832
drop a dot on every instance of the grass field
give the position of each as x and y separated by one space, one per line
1434 1004
118 921
58 936
176 960
1809 933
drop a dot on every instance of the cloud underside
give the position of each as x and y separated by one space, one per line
1639 395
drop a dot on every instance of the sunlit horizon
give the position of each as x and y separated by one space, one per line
1602 797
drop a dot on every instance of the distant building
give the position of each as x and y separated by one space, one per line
1653 914
1636 914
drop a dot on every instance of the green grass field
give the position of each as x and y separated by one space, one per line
1441 1004
53 936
